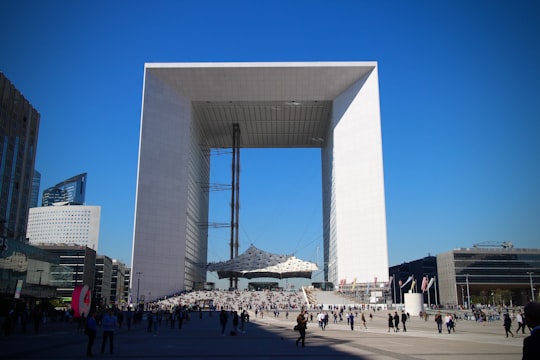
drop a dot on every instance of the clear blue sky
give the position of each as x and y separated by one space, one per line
460 109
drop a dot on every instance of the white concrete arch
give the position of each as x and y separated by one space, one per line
189 108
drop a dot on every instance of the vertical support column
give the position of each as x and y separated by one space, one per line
235 198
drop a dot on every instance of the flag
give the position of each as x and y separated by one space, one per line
400 283
409 279
353 284
424 284
413 286
375 281
367 289
391 280
431 281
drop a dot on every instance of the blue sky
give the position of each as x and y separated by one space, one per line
460 110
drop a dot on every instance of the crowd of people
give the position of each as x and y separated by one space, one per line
234 309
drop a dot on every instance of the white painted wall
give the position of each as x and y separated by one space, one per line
161 200
359 212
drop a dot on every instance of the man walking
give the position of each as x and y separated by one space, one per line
403 320
90 331
110 323
223 318
301 323
531 344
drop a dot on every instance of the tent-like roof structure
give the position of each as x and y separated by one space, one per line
255 263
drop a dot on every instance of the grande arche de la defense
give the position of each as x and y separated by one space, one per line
188 109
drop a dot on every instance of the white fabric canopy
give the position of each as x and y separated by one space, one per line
255 263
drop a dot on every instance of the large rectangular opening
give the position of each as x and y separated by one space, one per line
280 207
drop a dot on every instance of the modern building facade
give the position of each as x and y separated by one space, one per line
81 261
504 275
36 182
28 272
19 126
190 108
103 280
71 191
118 295
64 224
126 292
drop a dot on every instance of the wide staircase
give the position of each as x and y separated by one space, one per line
316 297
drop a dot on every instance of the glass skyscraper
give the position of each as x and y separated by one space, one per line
72 191
19 125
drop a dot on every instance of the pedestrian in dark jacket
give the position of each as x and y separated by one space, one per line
531 344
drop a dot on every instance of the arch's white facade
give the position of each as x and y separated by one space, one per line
189 108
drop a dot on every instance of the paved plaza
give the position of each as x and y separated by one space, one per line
273 338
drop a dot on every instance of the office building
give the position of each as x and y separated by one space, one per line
71 191
36 182
103 280
19 125
30 273
487 275
118 296
190 108
64 224
126 292
81 261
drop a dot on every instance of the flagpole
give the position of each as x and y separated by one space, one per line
394 281
428 299
436 297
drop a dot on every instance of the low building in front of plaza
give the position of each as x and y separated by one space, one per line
81 261
29 274
488 275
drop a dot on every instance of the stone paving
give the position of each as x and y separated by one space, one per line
273 338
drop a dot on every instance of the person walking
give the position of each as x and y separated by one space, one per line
531 344
438 320
110 323
507 323
301 323
396 321
223 318
351 321
364 321
235 320
521 323
390 322
449 322
90 331
404 320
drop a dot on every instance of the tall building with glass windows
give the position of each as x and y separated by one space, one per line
19 125
36 181
72 191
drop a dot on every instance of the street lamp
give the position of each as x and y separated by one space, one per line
468 292
530 273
